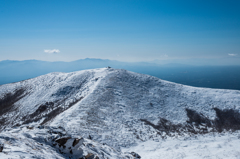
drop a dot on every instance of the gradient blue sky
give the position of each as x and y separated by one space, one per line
125 30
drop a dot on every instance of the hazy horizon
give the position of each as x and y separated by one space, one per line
143 36
190 62
131 31
222 77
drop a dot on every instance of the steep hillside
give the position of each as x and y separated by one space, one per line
118 107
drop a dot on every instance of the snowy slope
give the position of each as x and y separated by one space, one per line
212 146
52 142
118 107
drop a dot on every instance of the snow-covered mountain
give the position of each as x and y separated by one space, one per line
117 107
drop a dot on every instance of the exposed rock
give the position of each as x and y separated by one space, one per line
227 119
198 118
75 142
90 156
135 155
1 147
62 141
29 127
8 100
197 123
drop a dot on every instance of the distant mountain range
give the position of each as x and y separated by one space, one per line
13 71
224 77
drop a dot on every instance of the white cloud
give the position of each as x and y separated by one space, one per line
232 54
53 51
165 55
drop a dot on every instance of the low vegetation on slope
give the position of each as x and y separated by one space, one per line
117 107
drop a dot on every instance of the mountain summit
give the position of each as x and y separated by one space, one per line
117 107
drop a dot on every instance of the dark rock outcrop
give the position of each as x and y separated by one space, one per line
197 123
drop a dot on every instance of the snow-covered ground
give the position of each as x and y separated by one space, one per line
43 142
211 146
123 109
52 143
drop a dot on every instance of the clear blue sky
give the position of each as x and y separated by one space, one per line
125 30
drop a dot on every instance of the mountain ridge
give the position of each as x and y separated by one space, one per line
118 107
